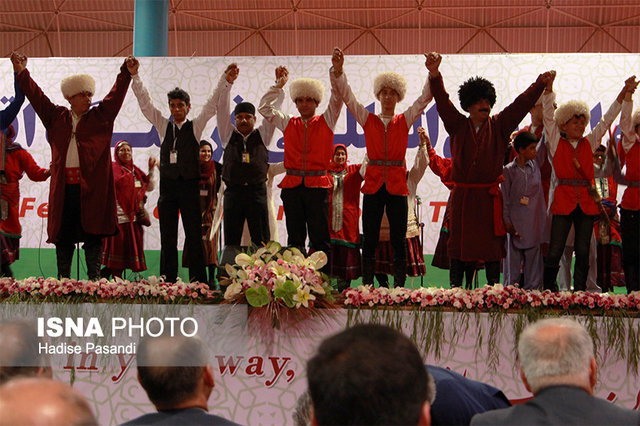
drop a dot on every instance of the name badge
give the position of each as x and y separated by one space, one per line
173 157
204 192
245 157
138 184
524 200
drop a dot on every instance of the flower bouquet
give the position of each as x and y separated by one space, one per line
282 286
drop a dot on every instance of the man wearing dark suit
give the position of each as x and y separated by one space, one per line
175 373
559 368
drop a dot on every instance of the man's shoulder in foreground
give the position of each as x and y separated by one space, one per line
186 416
565 405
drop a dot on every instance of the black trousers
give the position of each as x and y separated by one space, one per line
560 227
180 197
373 207
71 232
630 230
307 212
246 202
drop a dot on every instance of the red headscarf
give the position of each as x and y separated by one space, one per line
125 175
207 169
335 167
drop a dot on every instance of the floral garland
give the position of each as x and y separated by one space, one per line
488 297
80 291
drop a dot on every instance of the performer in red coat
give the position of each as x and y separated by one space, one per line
125 250
344 217
308 147
478 145
385 183
629 153
18 163
82 202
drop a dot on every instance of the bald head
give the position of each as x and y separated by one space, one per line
557 351
38 401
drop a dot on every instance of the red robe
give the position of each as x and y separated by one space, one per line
477 231
631 196
93 135
19 161
350 231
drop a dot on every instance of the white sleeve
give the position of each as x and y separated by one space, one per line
626 126
269 110
149 111
358 110
225 128
603 125
551 129
332 113
420 164
414 111
268 128
208 110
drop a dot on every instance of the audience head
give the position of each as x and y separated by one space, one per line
34 400
525 143
557 351
307 94
303 410
369 374
179 104
599 155
245 115
175 371
123 151
572 118
19 352
635 119
206 150
477 96
340 154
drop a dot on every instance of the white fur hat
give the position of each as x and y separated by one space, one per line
306 87
392 80
572 108
635 118
77 83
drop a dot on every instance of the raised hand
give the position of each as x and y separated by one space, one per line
19 62
282 76
548 78
132 64
337 59
424 137
432 62
152 162
631 84
232 72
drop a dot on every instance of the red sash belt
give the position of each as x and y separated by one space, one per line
494 191
72 175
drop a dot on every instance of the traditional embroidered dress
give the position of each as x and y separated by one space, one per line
344 219
125 250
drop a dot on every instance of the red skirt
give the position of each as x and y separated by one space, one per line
415 258
346 262
125 249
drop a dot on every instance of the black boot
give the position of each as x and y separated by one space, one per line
549 278
93 257
64 256
456 271
383 280
368 266
6 271
399 272
213 284
492 271
470 275
631 277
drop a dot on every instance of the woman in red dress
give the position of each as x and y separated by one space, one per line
125 250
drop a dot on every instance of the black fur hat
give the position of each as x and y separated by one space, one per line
475 89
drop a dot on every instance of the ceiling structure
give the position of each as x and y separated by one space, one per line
98 28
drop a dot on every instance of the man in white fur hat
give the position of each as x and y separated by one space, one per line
82 204
571 155
385 182
629 153
308 149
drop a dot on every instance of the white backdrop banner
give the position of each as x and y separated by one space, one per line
594 78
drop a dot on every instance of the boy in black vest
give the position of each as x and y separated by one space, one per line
244 167
179 174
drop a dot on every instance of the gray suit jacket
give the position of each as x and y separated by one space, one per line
560 405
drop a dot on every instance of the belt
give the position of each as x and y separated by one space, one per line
633 183
294 172
574 182
388 163
72 175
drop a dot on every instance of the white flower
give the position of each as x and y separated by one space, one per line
303 297
232 290
317 260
